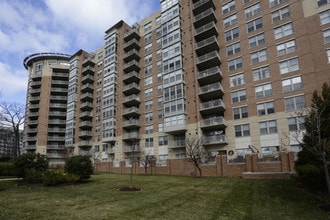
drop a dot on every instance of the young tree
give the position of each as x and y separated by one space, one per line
195 152
12 116
316 139
146 160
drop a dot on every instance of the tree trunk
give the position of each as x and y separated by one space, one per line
199 170
326 173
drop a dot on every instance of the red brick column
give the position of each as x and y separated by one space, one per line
248 161
254 161
219 166
284 162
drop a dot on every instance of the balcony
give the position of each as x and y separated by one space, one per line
206 45
212 74
85 124
35 91
85 143
56 122
212 107
63 83
85 134
56 138
59 91
88 70
57 113
213 123
34 106
204 17
55 146
31 130
132 88
175 125
35 84
132 66
30 147
131 77
56 130
60 74
32 122
132 34
109 139
177 144
132 44
202 5
58 98
31 138
87 87
211 91
205 31
86 106
86 96
131 112
131 135
132 55
86 115
87 79
34 99
215 139
208 60
131 149
58 105
132 100
111 151
131 124
55 155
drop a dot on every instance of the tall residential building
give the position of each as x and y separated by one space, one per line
233 73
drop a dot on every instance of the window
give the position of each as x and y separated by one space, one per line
148 58
266 108
147 27
171 51
231 20
148 69
171 25
289 65
160 113
174 107
259 56
238 96
148 104
254 25
148 92
148 37
148 116
232 34
296 123
284 30
173 92
322 2
242 130
240 112
236 80
148 80
268 127
172 64
325 17
261 73
228 7
149 129
173 78
273 3
235 64
286 48
159 54
252 10
257 40
326 36
292 84
263 90
246 1
233 49
148 47
281 14
160 101
295 103
328 55
162 140
149 142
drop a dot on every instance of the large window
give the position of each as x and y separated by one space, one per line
172 64
148 116
240 112
292 84
254 25
236 80
261 73
173 92
257 40
259 56
148 80
281 14
263 90
232 34
273 3
296 123
235 64
149 142
252 10
326 36
149 129
286 48
295 103
233 49
284 30
238 96
162 140
242 130
289 65
325 17
228 7
268 127
174 107
266 108
231 20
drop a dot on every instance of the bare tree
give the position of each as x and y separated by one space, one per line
12 116
146 160
195 152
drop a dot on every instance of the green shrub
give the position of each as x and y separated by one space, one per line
52 177
33 175
30 160
311 176
4 159
7 169
79 165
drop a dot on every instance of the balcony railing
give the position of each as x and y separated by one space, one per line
212 106
205 17
216 121
208 60
215 139
131 135
206 30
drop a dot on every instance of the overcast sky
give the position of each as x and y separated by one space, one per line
63 26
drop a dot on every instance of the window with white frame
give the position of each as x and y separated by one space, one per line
173 77
174 107
148 69
233 49
252 10
170 14
268 127
292 84
162 158
261 73
148 92
148 58
159 54
161 127
231 20
162 141
325 17
328 55
171 38
172 64
149 129
326 36
264 90
284 30
173 92
160 89
289 65
254 25
175 120
286 48
236 80
273 3
235 63
148 116
148 80
147 47
147 27
228 7
297 123
295 103
171 25
266 108
159 32
232 34
148 37
238 96
240 112
257 40
171 51
160 113
259 56
148 104
281 14
242 130
149 142
160 101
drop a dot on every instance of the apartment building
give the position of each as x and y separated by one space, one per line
234 74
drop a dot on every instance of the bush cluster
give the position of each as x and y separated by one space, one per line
7 169
79 165
52 177
30 161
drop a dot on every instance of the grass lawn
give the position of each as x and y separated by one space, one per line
162 197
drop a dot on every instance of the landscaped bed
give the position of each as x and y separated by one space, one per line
161 197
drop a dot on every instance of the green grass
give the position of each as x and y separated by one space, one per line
162 197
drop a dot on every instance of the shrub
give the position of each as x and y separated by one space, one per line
33 175
311 176
30 160
80 166
7 169
4 159
52 177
